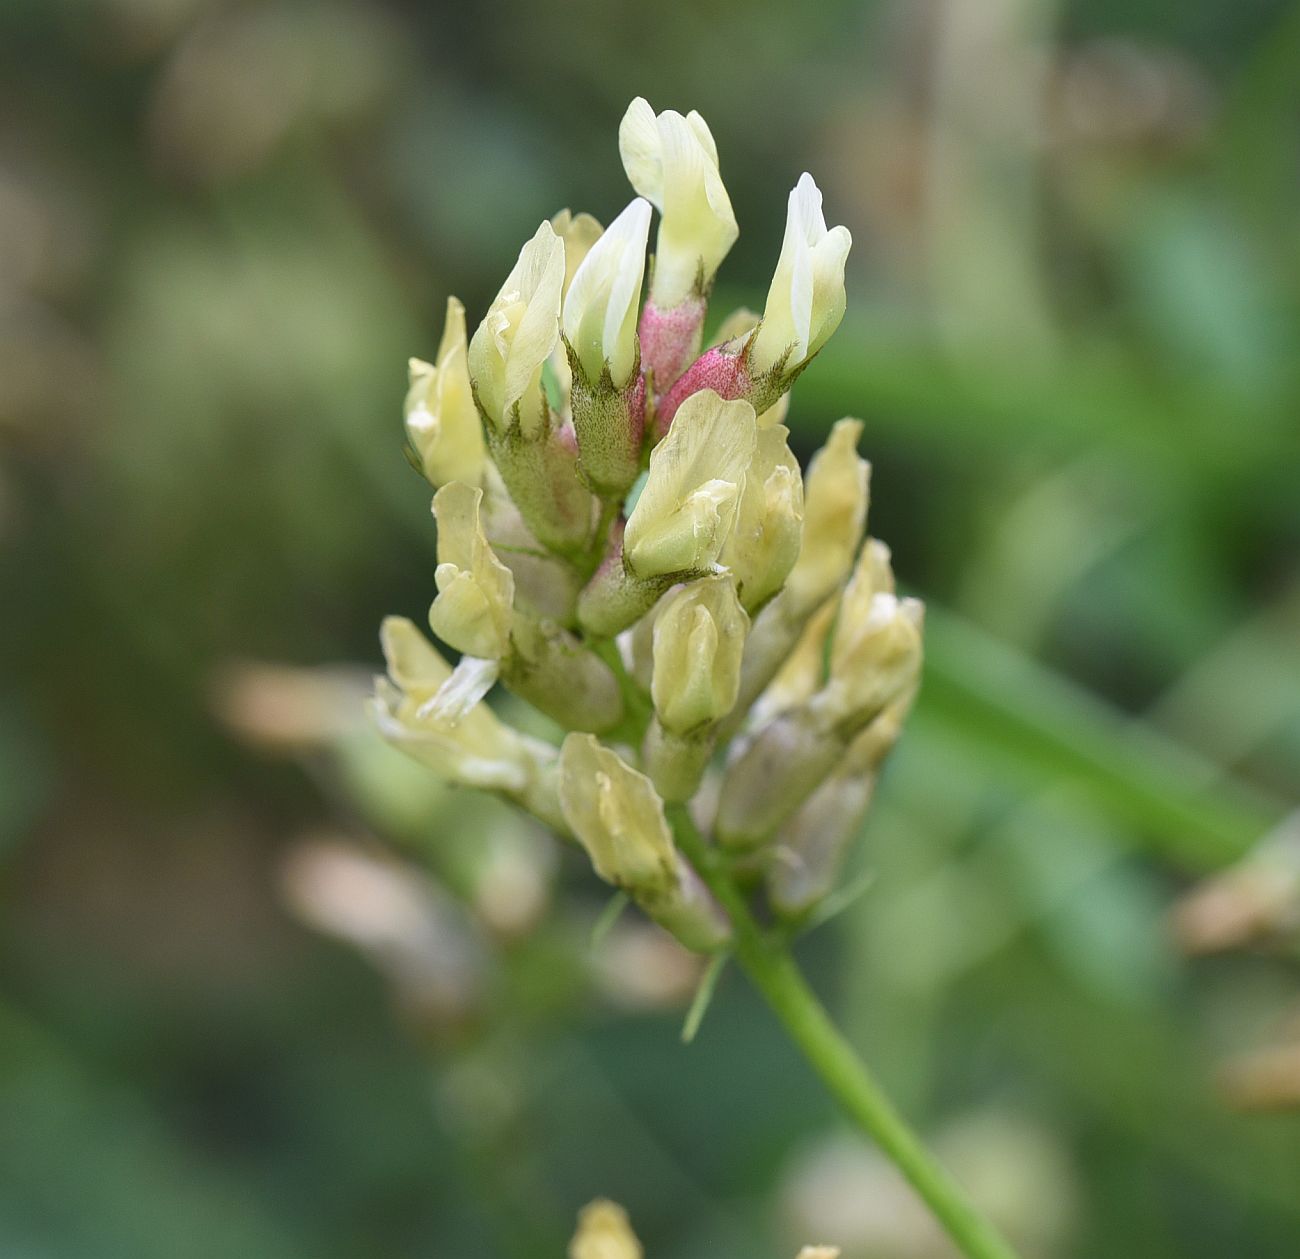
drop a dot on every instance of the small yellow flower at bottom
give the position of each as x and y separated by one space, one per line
604 1233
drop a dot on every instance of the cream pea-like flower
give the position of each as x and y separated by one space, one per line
873 574
698 641
672 161
475 603
805 302
836 494
442 421
617 817
875 658
686 510
476 749
600 309
767 535
516 337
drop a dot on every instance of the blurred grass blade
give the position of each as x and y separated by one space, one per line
703 998
1033 719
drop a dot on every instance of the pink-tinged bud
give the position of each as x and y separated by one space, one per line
670 339
718 369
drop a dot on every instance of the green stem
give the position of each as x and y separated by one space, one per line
765 957
637 708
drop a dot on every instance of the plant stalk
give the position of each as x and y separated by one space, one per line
766 959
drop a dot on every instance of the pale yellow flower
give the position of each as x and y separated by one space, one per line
521 328
835 514
579 232
600 309
767 534
476 749
698 641
604 1233
672 161
875 658
475 603
442 421
617 816
686 510
805 302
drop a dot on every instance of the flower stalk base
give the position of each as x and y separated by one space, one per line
766 959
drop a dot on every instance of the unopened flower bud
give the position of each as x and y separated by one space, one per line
672 161
699 637
774 773
475 750
722 369
604 1233
521 328
442 421
619 819
875 662
698 640
600 309
835 514
579 232
536 458
607 393
670 340
475 603
767 534
806 300
875 658
812 846
836 492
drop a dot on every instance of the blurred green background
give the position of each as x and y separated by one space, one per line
266 990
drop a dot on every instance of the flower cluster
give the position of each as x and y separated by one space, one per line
627 543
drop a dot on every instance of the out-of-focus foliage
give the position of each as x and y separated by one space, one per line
266 990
